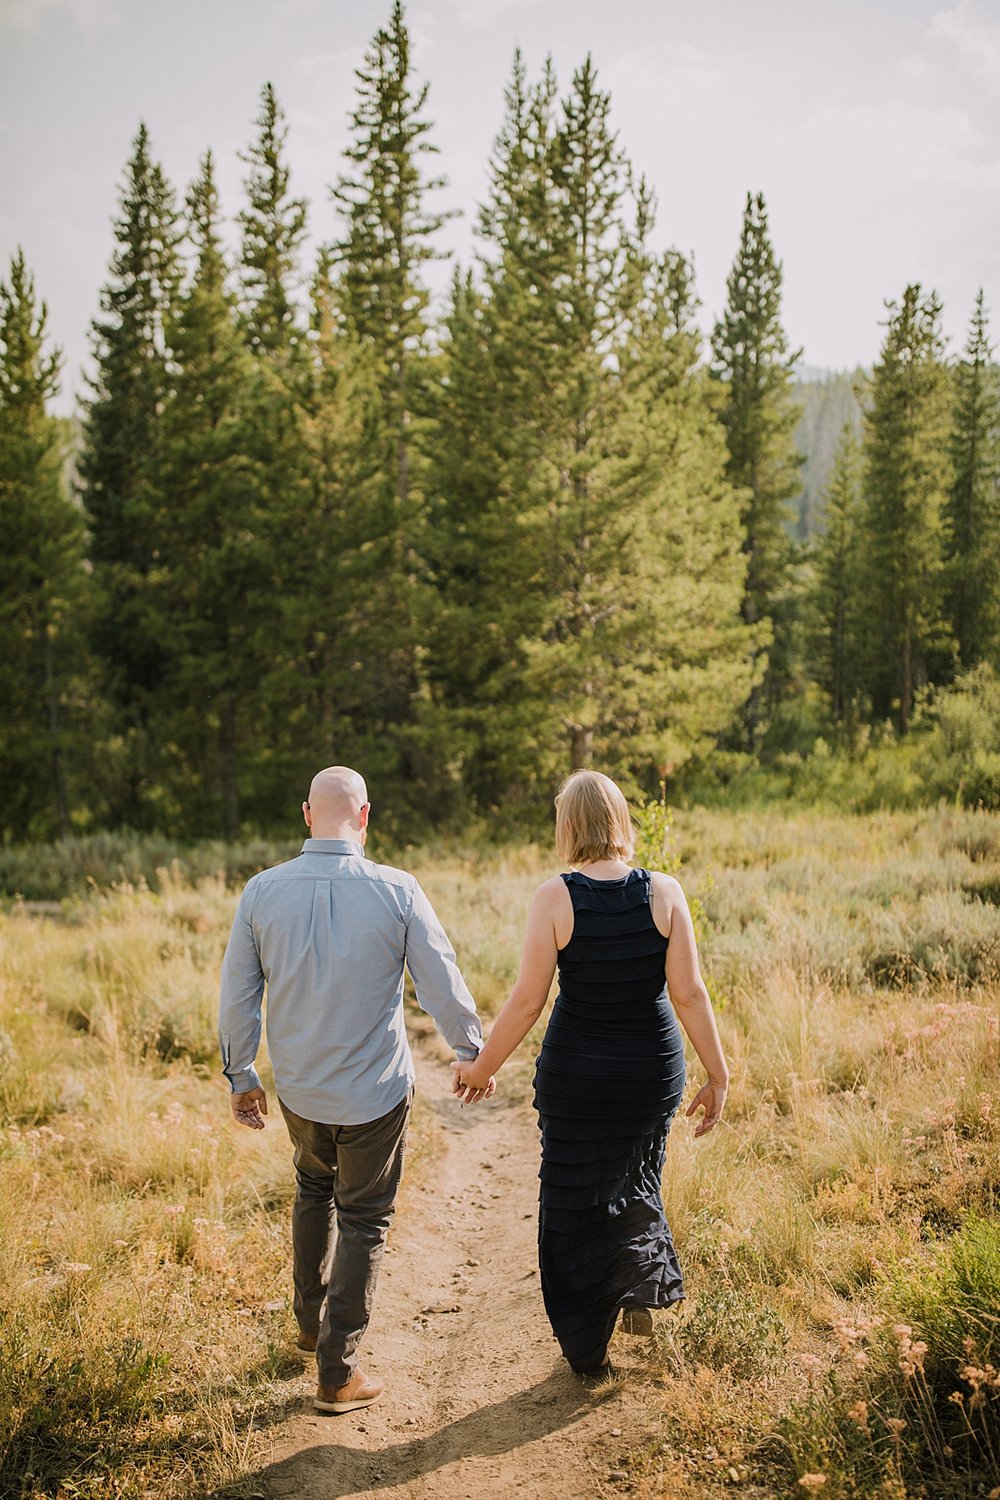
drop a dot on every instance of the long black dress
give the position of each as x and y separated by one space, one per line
608 1080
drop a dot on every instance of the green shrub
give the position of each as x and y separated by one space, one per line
102 861
67 1424
915 1398
955 1303
723 1326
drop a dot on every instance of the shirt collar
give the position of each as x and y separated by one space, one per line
332 846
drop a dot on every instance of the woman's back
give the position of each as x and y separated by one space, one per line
612 1048
614 959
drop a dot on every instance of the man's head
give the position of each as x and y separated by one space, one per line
338 805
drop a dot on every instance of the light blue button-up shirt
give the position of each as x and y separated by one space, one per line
330 933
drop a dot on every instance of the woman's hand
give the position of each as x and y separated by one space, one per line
711 1097
472 1082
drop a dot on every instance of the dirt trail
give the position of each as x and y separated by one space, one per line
478 1400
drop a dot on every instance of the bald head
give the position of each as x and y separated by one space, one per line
338 804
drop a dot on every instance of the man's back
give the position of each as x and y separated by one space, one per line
330 932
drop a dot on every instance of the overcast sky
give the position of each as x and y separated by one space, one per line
872 127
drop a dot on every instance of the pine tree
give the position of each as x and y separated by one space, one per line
286 399
907 480
325 692
513 449
972 581
685 666
751 356
590 183
467 541
836 598
213 595
273 225
42 651
121 435
580 474
377 259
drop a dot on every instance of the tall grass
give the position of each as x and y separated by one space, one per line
850 1192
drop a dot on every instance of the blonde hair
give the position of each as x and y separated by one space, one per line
592 820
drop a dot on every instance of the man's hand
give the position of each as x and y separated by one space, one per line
468 1085
249 1108
711 1097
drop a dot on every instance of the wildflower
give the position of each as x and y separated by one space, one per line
846 1334
859 1413
895 1425
173 1210
812 1481
957 1398
911 1352
76 1268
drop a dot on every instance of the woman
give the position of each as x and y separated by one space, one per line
611 1070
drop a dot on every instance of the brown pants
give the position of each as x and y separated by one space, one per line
346 1182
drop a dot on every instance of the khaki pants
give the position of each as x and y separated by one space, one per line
347 1177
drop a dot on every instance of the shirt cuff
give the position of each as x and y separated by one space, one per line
467 1054
242 1083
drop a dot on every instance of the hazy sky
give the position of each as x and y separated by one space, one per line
872 127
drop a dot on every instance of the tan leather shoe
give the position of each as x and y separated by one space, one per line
360 1390
306 1343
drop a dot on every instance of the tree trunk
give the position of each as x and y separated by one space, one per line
228 772
906 690
58 774
581 748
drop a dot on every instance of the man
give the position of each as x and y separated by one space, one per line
330 932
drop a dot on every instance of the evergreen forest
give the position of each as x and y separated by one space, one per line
307 516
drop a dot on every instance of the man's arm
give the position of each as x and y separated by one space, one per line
241 994
441 990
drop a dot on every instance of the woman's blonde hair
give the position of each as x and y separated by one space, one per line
592 820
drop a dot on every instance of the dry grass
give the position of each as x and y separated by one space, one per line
143 1243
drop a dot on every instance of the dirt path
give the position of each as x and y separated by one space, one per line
478 1400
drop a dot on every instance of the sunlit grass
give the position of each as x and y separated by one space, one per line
144 1280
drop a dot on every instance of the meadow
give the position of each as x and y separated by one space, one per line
839 1230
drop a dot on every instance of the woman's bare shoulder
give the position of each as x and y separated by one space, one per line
666 886
553 889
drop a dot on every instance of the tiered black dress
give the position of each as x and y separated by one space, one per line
608 1080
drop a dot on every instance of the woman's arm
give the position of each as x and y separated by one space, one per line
527 998
690 998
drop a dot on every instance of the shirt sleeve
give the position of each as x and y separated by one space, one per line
241 995
441 990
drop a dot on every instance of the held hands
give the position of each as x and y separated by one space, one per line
249 1108
470 1083
711 1097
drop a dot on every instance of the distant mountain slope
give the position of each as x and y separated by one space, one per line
828 400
